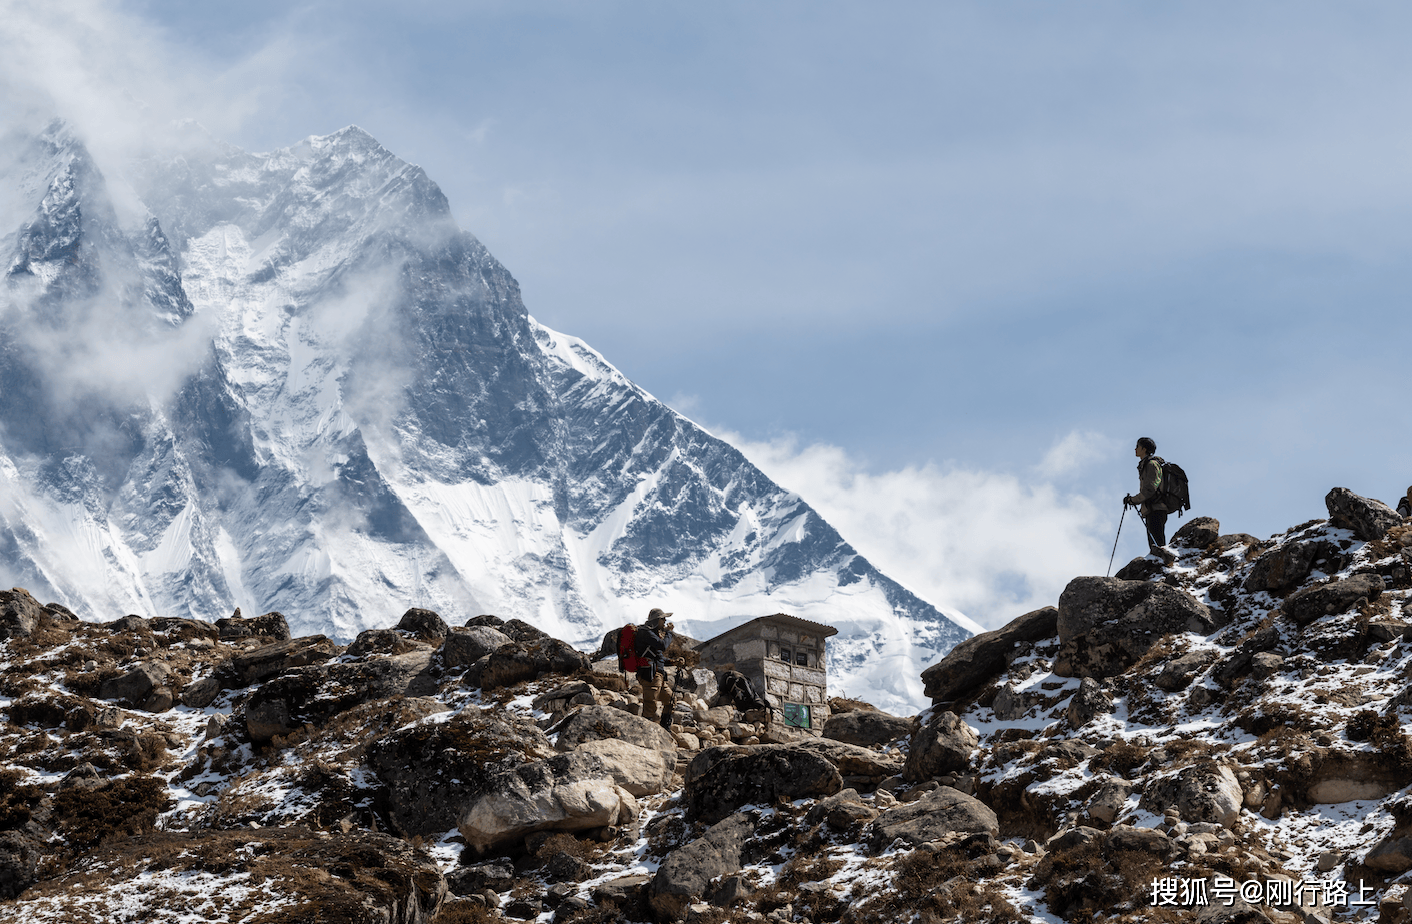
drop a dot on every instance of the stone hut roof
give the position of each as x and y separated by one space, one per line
745 628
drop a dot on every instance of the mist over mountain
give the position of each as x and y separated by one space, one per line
289 381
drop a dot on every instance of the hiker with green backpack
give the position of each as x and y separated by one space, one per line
1162 489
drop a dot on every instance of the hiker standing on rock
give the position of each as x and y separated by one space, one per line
1148 500
652 640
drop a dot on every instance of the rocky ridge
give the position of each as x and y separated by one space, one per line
1152 743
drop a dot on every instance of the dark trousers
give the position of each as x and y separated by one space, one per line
1156 529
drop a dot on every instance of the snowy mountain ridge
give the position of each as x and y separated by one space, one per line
289 381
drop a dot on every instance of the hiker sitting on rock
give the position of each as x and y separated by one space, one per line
1148 500
1404 506
652 640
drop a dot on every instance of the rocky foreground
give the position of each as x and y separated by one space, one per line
1223 740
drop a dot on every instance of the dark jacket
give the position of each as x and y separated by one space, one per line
653 647
1149 481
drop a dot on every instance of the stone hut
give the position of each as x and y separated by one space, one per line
782 655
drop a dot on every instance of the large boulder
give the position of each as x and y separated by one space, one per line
940 812
1106 625
722 779
424 624
863 768
268 660
867 727
943 745
1177 674
1205 791
20 853
464 647
1197 533
1369 519
592 723
973 663
567 792
641 771
1286 565
525 660
688 871
19 613
433 770
1309 603
135 687
314 694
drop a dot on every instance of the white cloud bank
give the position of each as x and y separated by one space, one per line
993 545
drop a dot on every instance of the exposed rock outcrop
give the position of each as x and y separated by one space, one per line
1105 625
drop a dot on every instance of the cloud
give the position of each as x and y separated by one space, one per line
121 80
991 544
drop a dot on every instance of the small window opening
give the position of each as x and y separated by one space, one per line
784 655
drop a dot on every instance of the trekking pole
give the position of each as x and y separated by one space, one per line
1115 540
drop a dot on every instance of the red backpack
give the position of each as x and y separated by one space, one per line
628 660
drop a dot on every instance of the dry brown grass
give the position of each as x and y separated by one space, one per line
88 816
948 885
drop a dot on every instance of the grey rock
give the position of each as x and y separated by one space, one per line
566 792
1202 792
1265 664
20 853
496 875
200 693
722 779
1177 673
1232 540
1128 839
1074 838
134 687
463 647
946 744
269 660
525 660
1369 519
1310 603
941 812
1105 625
592 723
432 770
1392 855
976 661
19 613
687 871
424 624
859 766
867 728
1107 804
1088 702
1286 565
1197 533
1010 705
841 811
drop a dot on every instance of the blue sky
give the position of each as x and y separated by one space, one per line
934 265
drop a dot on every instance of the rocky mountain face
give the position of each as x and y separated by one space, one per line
289 381
1221 740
